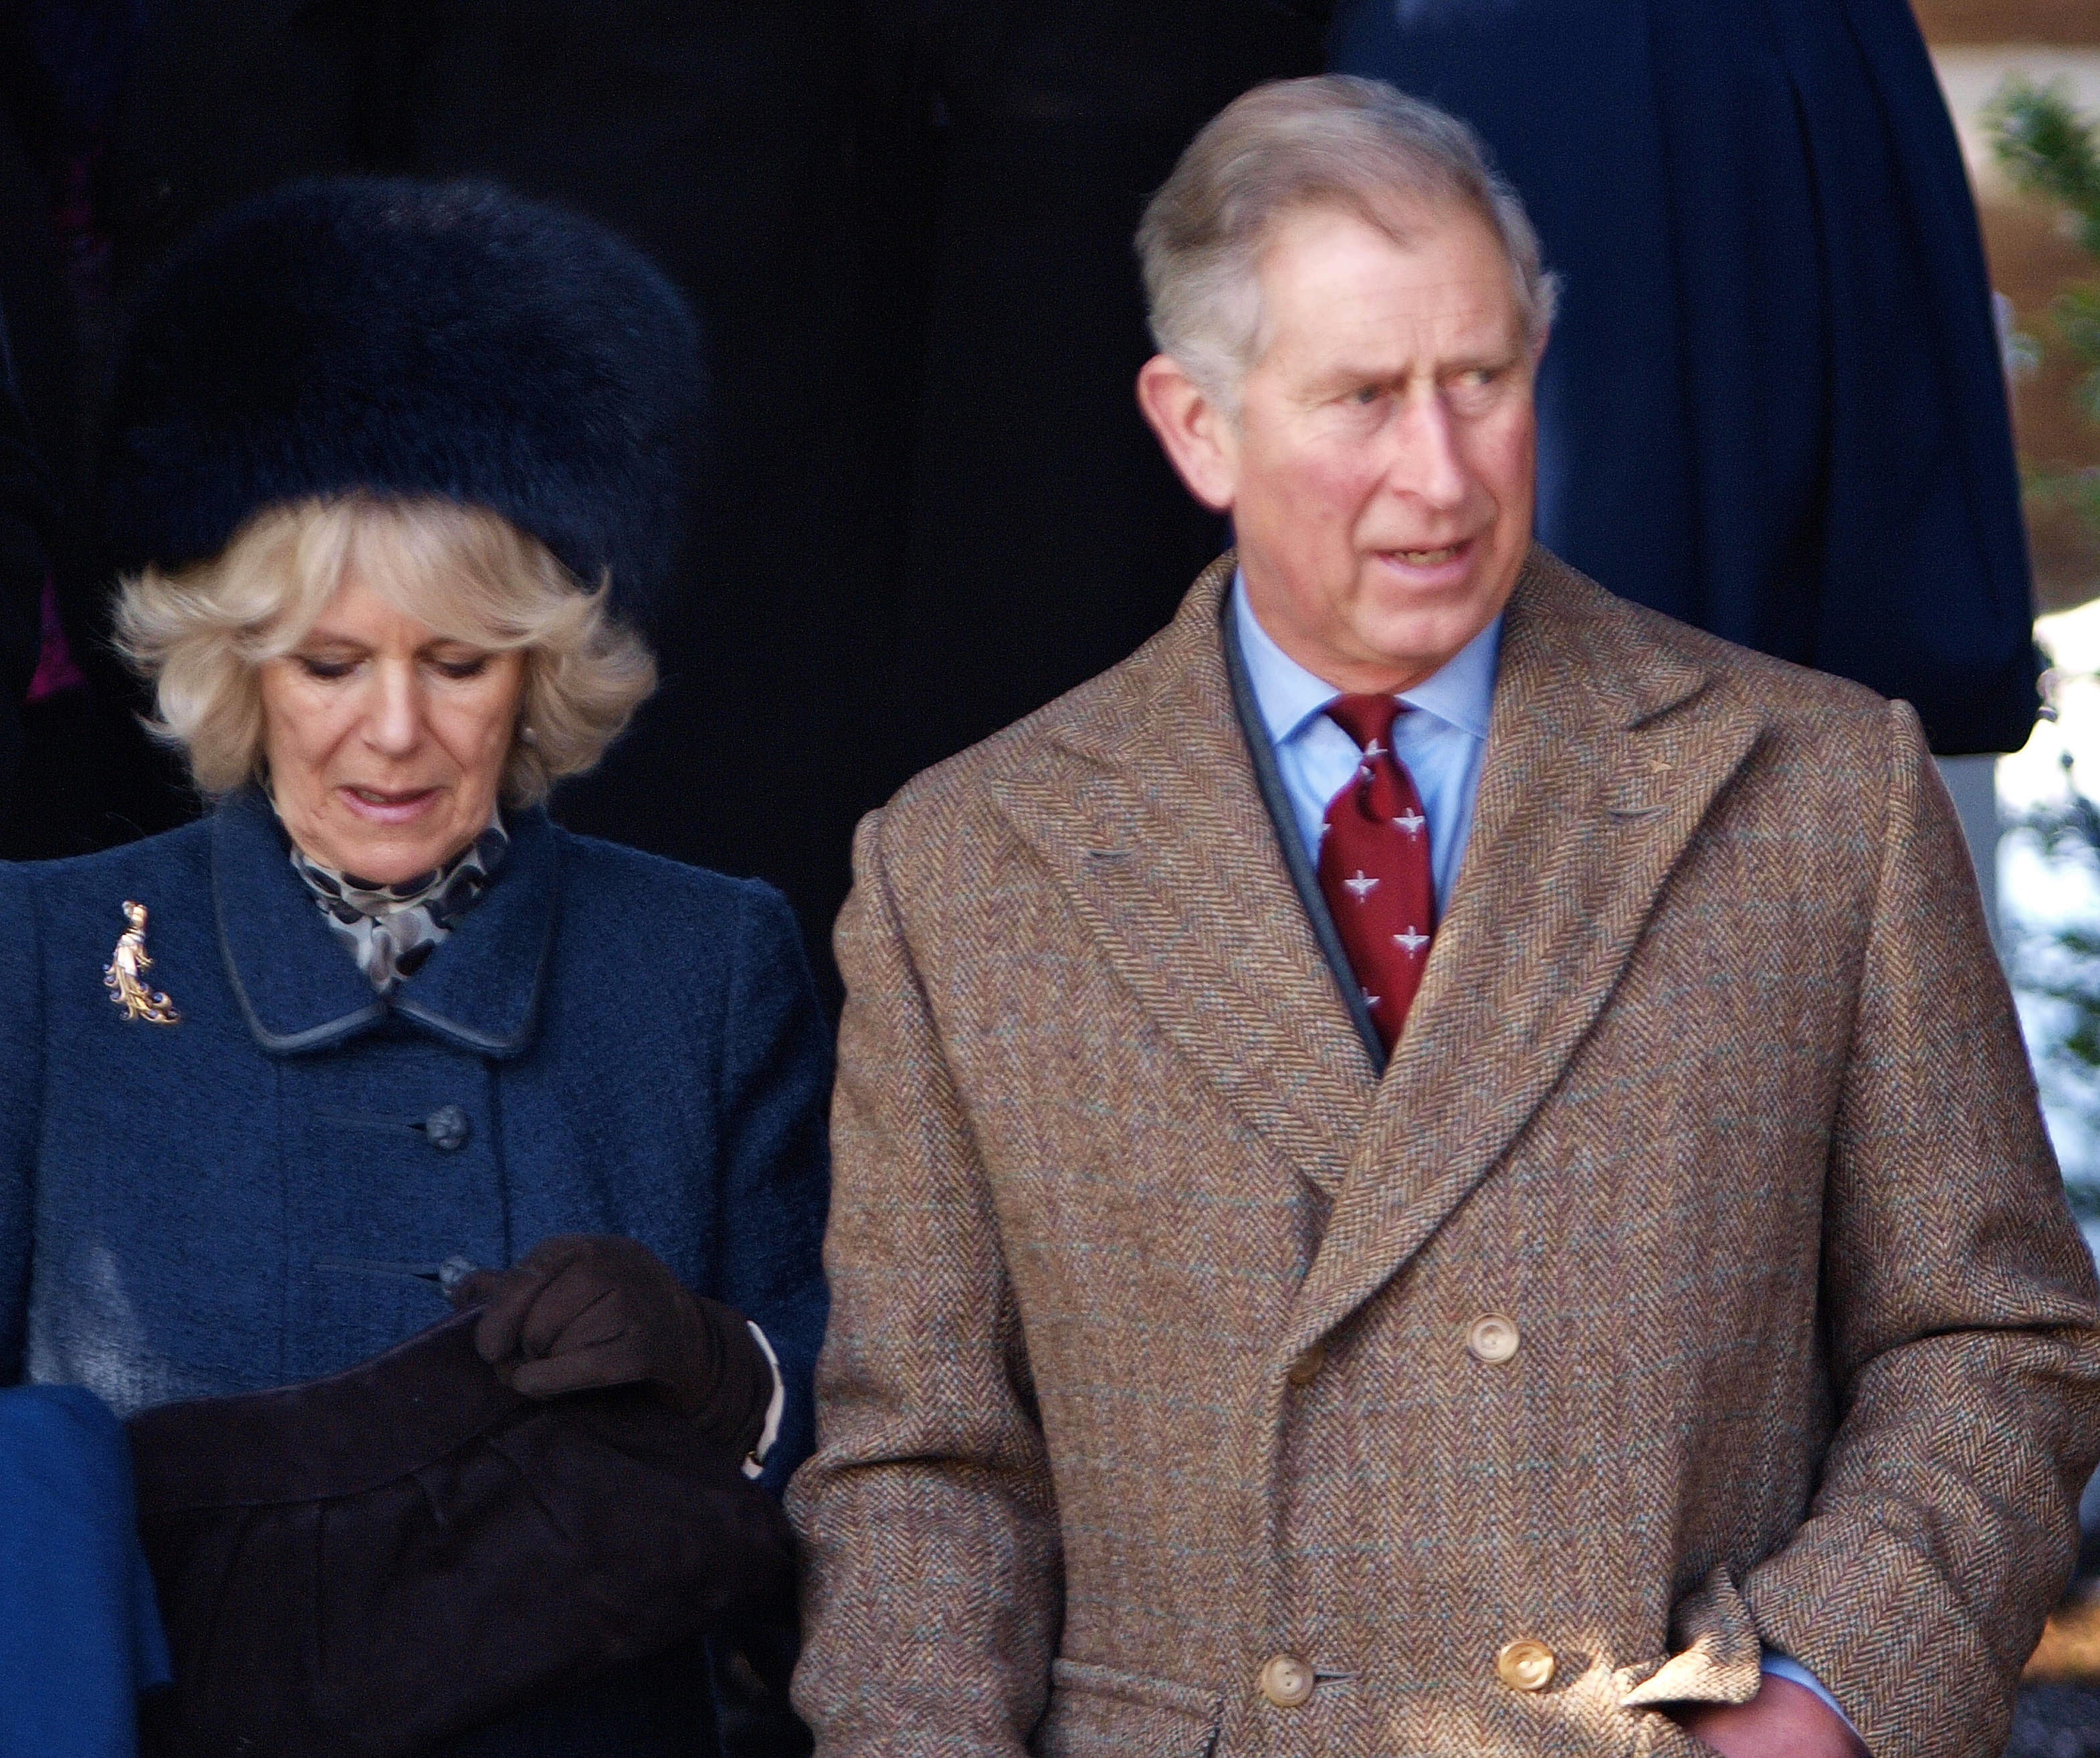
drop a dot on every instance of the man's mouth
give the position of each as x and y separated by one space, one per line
1442 555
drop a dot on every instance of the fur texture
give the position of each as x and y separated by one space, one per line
412 338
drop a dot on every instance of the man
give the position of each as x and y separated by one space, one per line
1435 1164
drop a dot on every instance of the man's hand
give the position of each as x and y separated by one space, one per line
1783 1720
591 1309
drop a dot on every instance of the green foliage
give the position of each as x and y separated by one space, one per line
2050 150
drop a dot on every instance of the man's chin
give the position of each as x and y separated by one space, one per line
1419 639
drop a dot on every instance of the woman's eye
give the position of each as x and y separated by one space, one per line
1369 395
460 669
327 669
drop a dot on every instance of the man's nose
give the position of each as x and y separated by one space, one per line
1427 463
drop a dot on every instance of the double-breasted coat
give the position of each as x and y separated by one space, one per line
1156 1411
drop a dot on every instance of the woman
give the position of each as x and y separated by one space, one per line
394 472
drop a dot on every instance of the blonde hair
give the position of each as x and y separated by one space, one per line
199 635
1333 141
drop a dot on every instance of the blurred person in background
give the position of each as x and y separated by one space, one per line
1009 148
89 777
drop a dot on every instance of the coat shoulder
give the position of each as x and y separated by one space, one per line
630 894
615 871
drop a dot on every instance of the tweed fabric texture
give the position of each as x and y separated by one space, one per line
1713 1088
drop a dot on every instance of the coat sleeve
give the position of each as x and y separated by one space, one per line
1960 1309
774 1170
932 1590
21 1098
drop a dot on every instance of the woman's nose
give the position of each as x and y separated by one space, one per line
394 721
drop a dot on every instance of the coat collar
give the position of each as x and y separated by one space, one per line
1606 746
300 992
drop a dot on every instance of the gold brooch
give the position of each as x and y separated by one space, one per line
122 976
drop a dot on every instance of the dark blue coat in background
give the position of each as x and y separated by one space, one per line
608 1042
1773 405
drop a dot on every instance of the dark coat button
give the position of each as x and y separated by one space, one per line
448 1128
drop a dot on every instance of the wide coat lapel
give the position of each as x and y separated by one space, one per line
1606 750
1147 813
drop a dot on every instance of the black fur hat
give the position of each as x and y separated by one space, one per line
409 338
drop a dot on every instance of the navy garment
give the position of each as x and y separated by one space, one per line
608 1042
80 1635
1773 405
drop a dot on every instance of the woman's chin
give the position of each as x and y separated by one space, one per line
387 855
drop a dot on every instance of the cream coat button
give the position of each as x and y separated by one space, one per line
1306 1368
1287 1681
1492 1339
1525 1666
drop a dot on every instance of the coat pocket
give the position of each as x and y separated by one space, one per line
1095 1713
1716 1657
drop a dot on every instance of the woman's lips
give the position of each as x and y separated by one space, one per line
383 805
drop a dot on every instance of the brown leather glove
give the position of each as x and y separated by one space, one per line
586 1309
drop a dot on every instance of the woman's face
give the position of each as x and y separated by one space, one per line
387 741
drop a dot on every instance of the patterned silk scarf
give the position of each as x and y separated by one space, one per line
391 929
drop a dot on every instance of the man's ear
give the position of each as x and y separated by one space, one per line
1199 438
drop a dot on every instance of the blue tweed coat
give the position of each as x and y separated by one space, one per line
608 1042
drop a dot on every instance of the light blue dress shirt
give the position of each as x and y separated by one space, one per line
1443 742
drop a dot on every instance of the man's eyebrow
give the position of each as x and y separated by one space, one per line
1349 377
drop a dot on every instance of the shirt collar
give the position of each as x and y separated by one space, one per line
1460 692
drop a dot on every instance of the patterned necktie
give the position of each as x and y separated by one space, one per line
1375 865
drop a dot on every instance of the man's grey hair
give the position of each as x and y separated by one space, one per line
1335 141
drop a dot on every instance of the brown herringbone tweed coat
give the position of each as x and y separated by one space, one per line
1148 1359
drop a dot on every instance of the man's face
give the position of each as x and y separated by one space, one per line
1380 471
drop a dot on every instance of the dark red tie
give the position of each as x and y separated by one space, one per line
1375 865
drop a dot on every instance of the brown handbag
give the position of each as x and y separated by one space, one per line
365 1565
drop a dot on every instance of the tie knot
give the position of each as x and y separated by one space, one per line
1368 720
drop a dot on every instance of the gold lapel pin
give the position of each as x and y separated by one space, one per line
124 976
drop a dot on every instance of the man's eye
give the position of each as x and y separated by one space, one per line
1369 394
